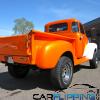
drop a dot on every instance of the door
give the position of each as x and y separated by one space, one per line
83 37
79 35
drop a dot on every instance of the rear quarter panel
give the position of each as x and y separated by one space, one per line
48 56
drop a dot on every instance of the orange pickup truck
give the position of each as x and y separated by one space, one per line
62 46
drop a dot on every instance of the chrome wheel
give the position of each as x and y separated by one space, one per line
94 61
66 73
61 75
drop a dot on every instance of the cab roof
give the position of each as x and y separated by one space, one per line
62 21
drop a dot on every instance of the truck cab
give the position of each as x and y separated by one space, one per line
71 28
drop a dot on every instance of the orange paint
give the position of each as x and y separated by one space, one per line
45 48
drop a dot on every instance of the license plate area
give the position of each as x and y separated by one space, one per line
9 59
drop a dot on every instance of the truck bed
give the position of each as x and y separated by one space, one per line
21 51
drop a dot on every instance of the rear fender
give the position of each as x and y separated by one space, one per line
48 56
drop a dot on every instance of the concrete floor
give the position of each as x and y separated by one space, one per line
36 82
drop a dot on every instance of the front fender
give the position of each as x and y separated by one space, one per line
89 50
48 56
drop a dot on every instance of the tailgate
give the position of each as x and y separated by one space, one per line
15 46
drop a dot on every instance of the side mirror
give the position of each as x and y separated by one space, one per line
88 33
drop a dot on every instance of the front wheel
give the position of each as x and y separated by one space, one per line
94 62
61 75
18 71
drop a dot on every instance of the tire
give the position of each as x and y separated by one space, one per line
94 62
18 71
61 75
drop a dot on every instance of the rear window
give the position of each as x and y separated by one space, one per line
58 27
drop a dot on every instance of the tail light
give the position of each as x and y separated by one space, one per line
29 38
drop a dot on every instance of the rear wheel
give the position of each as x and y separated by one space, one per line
94 62
61 75
18 71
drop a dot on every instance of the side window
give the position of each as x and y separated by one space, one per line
75 27
81 28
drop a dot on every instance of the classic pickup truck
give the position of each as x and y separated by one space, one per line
59 49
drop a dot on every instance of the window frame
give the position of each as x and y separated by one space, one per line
74 28
81 28
55 25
